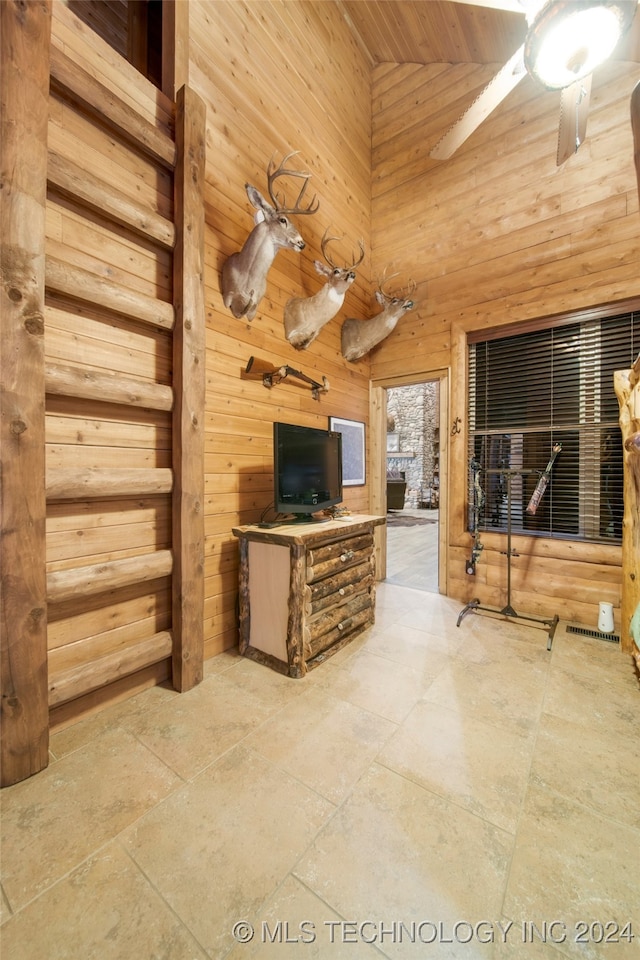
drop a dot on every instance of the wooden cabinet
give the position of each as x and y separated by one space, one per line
305 590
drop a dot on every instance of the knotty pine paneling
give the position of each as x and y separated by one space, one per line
276 77
496 235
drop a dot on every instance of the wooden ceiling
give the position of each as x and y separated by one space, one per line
432 31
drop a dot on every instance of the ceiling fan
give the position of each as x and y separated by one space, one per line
565 41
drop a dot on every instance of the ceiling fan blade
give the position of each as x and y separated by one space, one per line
493 94
574 110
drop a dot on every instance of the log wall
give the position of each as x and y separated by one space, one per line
108 350
275 77
492 237
496 235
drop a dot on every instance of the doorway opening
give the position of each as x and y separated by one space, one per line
413 452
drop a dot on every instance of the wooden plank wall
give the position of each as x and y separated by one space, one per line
496 235
275 77
108 318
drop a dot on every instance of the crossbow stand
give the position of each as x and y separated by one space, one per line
508 610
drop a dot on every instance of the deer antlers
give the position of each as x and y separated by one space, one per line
274 172
244 274
404 294
324 246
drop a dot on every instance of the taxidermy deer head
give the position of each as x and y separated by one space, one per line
304 317
244 274
360 336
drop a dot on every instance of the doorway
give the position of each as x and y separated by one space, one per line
411 449
413 485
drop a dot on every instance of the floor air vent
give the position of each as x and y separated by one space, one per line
610 637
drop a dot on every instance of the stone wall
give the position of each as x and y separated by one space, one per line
413 413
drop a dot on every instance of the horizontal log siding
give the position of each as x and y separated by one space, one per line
108 355
275 77
496 235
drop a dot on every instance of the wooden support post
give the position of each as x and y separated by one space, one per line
627 388
25 31
635 126
189 393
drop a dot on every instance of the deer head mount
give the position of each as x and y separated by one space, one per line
361 336
304 317
244 274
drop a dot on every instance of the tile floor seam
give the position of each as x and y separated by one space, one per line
240 742
584 807
523 799
159 893
447 798
61 879
330 908
272 895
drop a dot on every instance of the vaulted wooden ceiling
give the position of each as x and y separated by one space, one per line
431 31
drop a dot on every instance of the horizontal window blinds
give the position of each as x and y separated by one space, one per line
530 391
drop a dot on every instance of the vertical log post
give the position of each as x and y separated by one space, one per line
189 392
25 30
635 126
627 387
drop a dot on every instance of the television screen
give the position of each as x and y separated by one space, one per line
307 469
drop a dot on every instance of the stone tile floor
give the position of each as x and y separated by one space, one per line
412 552
430 791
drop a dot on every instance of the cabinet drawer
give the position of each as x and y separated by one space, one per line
349 555
319 590
336 632
336 617
330 551
339 597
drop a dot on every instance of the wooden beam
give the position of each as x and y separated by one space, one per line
175 40
137 30
67 381
72 484
84 285
25 31
79 680
80 88
71 180
635 126
627 388
112 575
189 393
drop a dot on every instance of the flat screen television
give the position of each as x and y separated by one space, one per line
307 470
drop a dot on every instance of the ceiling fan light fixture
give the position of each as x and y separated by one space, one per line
568 40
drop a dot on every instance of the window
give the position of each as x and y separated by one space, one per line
540 388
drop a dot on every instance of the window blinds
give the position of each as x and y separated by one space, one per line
530 391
